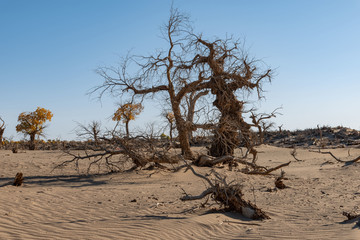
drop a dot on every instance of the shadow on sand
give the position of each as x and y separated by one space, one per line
74 181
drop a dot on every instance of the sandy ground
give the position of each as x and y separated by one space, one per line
146 205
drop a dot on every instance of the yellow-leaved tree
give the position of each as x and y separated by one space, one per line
33 123
126 113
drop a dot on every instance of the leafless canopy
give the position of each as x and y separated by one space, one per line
192 67
90 131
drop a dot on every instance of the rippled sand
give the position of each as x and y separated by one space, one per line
145 204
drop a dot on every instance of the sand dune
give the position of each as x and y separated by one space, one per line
146 205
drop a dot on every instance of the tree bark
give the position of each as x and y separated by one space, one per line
2 129
127 129
32 141
182 131
1 135
191 108
226 136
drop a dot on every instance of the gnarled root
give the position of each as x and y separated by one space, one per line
228 195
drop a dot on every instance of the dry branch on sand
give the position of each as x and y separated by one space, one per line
208 161
293 153
351 215
265 171
279 181
338 159
142 152
228 195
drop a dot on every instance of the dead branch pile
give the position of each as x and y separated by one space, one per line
251 167
228 195
140 152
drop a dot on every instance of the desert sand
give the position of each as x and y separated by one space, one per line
146 204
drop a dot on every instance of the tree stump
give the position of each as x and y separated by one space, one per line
18 181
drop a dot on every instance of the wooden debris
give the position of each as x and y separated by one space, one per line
209 161
338 159
18 181
351 215
266 171
293 153
228 195
279 181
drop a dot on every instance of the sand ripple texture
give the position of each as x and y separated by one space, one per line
146 205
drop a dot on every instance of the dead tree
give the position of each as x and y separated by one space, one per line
192 64
158 73
2 129
90 131
228 195
113 153
259 122
280 128
225 69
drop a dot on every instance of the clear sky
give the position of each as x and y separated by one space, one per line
50 48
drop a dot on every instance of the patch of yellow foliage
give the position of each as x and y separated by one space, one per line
127 112
33 122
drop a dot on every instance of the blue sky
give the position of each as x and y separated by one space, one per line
50 48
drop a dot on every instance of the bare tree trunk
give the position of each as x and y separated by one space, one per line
32 141
127 129
1 135
191 108
2 129
227 137
95 131
182 131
